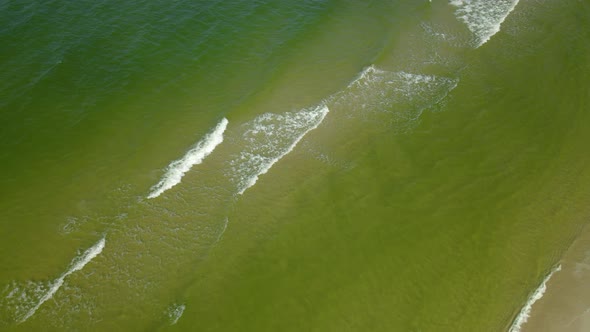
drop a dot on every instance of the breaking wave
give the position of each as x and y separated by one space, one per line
525 312
176 170
26 300
392 98
483 17
175 312
268 138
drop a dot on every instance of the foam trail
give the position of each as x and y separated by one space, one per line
222 230
392 99
365 75
525 312
76 265
175 312
269 138
176 170
483 17
377 89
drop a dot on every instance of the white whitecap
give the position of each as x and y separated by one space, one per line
268 138
395 99
525 312
175 312
366 76
223 229
377 90
176 170
483 17
76 265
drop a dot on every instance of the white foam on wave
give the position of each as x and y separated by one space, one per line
392 98
176 170
483 17
269 138
525 312
366 75
223 229
175 312
18 298
376 87
76 265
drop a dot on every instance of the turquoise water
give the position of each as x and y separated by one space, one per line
309 165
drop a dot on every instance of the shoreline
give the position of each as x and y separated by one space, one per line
565 304
525 312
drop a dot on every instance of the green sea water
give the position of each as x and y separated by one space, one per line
341 165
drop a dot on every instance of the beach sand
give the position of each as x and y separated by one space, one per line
565 306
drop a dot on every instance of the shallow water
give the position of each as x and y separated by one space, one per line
311 165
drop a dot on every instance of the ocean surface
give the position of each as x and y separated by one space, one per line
311 165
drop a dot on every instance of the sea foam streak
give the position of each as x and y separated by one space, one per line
270 137
483 17
223 229
77 264
175 312
176 170
391 98
525 312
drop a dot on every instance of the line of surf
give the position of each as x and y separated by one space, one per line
76 265
483 17
364 75
176 170
525 312
223 229
392 99
262 164
175 312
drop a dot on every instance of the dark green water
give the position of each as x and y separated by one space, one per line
385 165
